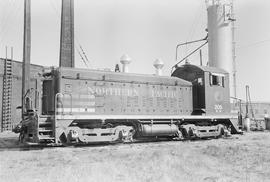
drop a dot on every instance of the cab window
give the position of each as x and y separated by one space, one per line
217 79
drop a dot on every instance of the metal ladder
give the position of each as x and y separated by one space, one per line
7 96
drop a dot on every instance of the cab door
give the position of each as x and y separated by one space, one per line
198 95
47 97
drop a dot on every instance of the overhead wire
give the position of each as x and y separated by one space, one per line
81 50
194 25
78 48
253 44
55 8
82 58
82 53
85 56
9 19
6 15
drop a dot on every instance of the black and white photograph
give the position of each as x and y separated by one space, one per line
134 91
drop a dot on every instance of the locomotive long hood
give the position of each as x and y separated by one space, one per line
75 73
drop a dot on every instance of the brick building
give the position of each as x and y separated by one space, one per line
10 91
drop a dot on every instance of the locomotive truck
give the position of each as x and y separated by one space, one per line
82 106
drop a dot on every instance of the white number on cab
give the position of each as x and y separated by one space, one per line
218 108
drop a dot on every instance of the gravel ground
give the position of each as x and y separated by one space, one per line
239 158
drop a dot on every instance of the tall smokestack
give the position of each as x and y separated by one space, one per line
67 34
26 53
220 36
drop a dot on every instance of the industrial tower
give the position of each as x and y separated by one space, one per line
221 49
67 34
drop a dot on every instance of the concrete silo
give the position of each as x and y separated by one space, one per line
220 38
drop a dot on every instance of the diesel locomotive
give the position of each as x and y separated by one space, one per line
83 106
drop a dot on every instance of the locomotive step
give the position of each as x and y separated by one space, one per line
44 130
45 137
45 116
45 121
45 124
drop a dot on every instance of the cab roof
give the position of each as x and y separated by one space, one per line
201 68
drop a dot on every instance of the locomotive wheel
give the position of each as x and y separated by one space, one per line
221 133
126 136
185 134
190 133
21 137
179 135
187 131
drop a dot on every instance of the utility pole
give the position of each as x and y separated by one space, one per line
67 34
234 54
26 53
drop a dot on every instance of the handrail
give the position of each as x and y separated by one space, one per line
176 65
28 95
56 103
186 43
62 108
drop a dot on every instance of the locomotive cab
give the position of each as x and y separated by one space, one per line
211 95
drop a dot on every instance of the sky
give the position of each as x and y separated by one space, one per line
143 29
